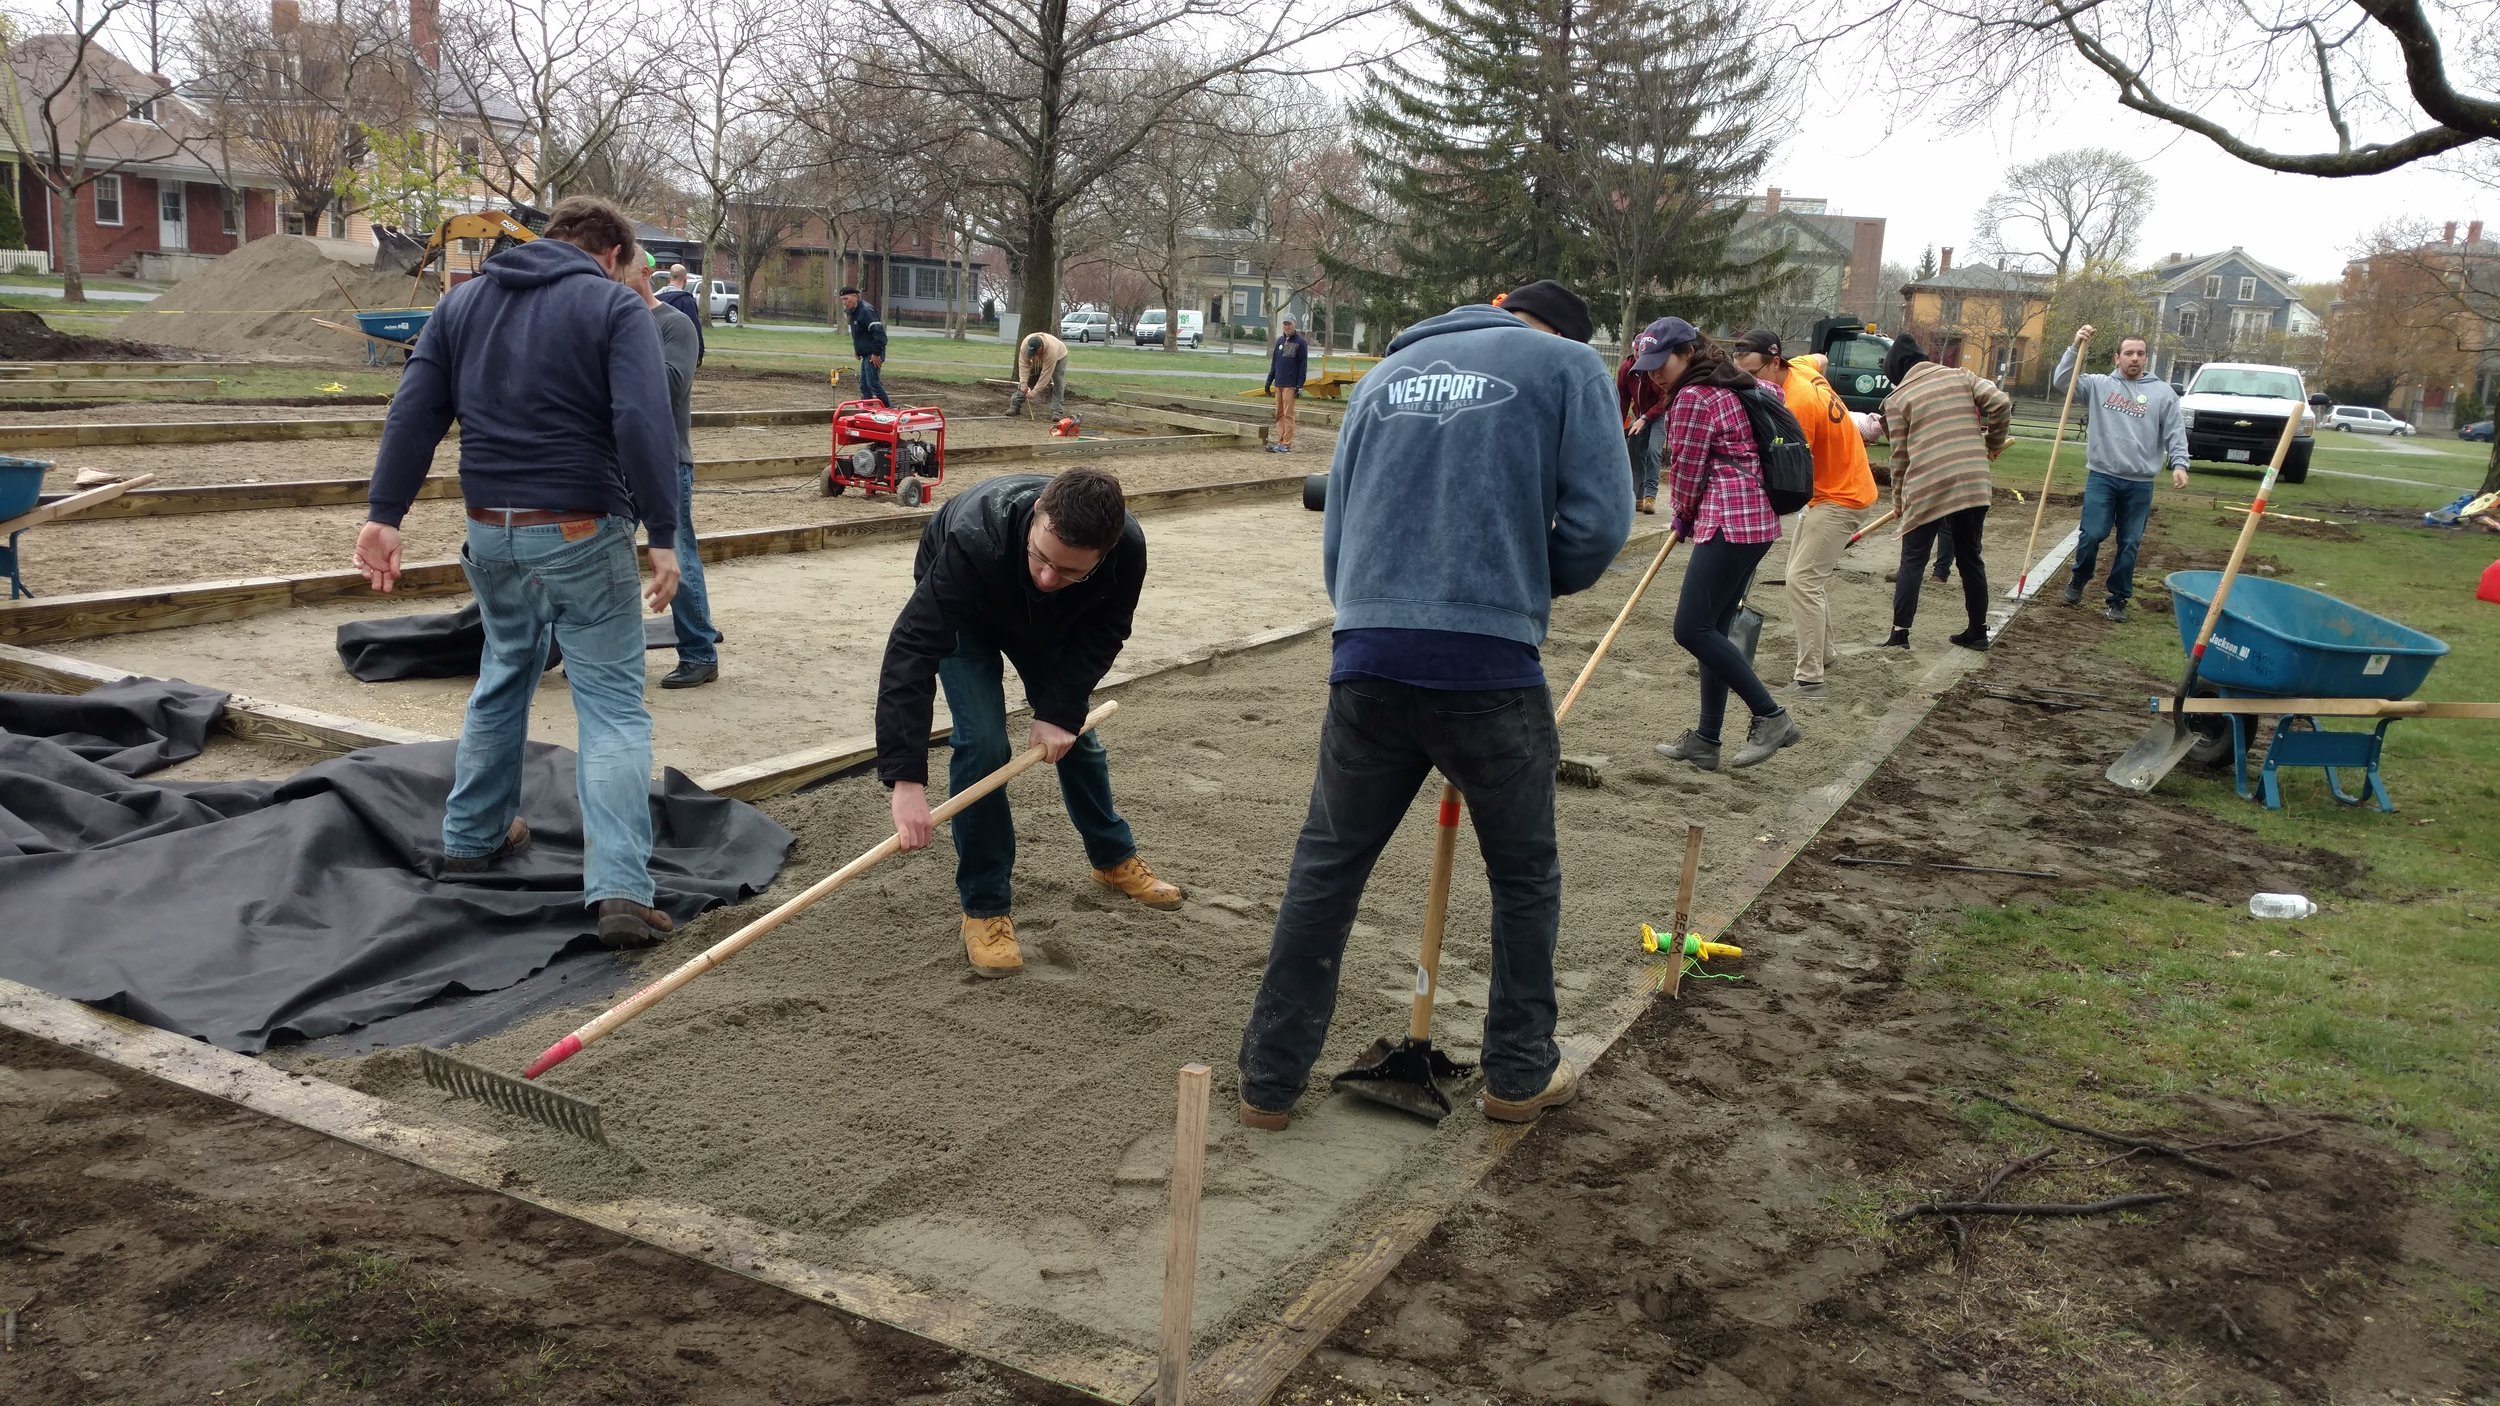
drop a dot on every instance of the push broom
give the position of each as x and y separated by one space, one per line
1411 1074
580 1117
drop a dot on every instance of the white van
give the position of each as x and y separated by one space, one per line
1153 321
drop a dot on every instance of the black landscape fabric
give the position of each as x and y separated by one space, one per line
443 646
247 912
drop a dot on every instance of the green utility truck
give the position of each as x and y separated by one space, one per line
1853 361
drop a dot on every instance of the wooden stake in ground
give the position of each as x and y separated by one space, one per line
1180 1241
1674 980
2022 583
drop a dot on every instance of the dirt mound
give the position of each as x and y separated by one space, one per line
260 301
27 337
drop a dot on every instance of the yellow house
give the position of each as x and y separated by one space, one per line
1985 317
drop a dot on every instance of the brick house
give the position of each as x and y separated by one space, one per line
167 190
1986 317
912 278
1836 261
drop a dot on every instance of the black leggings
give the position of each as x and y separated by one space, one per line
1715 579
1961 533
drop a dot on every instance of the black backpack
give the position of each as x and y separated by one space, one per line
1787 461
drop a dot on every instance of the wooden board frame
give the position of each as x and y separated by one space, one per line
90 436
58 619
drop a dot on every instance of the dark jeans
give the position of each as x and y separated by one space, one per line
1378 745
1715 580
1960 532
985 832
1645 448
2112 502
690 610
872 383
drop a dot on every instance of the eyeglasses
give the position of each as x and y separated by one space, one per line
1043 563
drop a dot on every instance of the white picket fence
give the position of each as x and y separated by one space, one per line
25 261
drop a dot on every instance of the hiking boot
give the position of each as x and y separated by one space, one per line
1692 747
991 945
1976 637
1647 505
1898 639
623 924
515 840
690 676
1806 688
1559 1090
1131 876
2115 613
2073 594
1765 736
1263 1120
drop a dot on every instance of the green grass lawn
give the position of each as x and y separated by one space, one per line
1093 370
2344 471
2386 1006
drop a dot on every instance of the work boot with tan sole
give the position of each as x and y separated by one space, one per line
1131 876
1558 1090
990 943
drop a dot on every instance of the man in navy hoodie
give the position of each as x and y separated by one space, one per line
868 344
554 373
1480 473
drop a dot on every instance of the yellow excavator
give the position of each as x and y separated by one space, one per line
398 251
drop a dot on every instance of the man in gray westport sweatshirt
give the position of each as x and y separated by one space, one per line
2132 424
1480 472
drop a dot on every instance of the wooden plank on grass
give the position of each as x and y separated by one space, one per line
1203 424
111 387
2331 707
88 436
147 370
253 720
70 505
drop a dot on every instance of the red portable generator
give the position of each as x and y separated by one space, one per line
879 450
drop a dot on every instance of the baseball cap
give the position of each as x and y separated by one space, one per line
1761 341
1660 340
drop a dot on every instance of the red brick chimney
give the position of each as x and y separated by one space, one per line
2474 233
425 32
2448 235
1771 203
1944 260
285 17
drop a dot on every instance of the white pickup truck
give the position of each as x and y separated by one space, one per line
2233 412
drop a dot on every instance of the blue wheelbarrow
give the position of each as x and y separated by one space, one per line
2301 657
21 487
388 331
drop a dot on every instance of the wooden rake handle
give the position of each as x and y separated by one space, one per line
607 1022
2055 443
1861 532
1589 670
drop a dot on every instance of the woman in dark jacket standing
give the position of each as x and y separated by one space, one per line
1715 499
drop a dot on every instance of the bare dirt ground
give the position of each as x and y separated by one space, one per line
129 553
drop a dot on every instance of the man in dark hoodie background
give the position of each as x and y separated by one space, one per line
1480 473
553 371
868 344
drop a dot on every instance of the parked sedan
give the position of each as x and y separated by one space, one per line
2479 432
2366 419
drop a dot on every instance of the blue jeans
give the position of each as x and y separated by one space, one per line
691 610
872 383
985 832
2123 503
1378 745
1645 447
532 587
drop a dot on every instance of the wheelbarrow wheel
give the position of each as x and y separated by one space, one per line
2212 748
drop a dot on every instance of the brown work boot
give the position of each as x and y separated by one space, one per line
1131 876
1559 1090
1263 1120
624 923
1647 505
515 840
991 945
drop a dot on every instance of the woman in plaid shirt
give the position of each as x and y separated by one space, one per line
1715 500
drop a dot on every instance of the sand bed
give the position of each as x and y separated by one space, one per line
849 1083
128 553
806 634
233 759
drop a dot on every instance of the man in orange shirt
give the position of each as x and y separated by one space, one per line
1844 492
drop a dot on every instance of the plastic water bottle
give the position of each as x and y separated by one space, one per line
2280 905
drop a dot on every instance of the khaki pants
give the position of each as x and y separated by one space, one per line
1285 397
1822 531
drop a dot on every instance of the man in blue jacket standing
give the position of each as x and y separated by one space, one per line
1480 473
1288 366
868 344
553 371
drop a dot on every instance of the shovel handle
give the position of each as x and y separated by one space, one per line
1589 670
1436 913
2239 549
607 1022
1861 532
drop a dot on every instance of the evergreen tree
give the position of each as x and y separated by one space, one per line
1926 264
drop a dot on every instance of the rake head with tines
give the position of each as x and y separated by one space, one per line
562 1112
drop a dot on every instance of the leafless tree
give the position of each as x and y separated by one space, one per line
2067 209
1065 91
2378 84
2418 306
75 111
726 133
1170 191
294 94
562 77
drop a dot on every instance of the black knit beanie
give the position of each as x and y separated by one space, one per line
1555 306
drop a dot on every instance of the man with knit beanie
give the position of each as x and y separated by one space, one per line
1480 473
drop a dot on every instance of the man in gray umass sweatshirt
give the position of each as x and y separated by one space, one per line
2132 424
1480 473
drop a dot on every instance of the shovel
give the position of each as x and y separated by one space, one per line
1410 1075
2165 744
